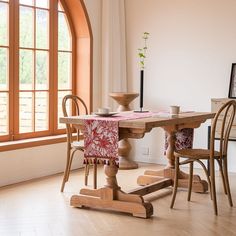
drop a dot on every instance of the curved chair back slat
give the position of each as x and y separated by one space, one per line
77 107
227 112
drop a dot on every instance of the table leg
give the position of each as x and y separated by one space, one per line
124 99
152 176
112 197
125 163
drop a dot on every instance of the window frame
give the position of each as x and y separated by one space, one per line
76 71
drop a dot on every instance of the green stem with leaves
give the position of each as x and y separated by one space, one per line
142 51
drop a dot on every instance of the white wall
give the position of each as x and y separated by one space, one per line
29 163
190 52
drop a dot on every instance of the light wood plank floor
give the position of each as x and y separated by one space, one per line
37 208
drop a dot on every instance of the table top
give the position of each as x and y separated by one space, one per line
154 119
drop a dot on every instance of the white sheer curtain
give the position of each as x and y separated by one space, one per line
114 77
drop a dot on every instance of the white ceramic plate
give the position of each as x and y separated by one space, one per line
106 114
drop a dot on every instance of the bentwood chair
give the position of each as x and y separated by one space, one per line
75 105
223 126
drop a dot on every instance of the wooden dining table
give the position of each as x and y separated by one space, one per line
111 195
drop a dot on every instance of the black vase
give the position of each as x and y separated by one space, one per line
141 90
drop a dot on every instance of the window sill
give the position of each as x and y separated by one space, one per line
32 142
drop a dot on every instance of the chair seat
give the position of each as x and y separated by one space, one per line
79 145
196 153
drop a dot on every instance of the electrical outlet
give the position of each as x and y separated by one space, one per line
145 151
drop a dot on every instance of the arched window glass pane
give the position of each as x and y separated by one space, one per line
26 69
4 111
3 68
4 24
60 7
64 35
42 3
42 69
27 2
26 27
41 111
42 29
26 112
64 70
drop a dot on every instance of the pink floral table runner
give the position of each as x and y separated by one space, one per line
184 139
101 135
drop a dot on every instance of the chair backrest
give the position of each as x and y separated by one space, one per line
73 105
222 126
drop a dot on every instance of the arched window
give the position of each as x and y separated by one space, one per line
38 66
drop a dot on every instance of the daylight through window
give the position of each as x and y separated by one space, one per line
36 59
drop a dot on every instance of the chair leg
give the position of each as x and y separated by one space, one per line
222 175
206 170
86 174
213 186
95 175
225 172
175 182
190 180
64 180
69 167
